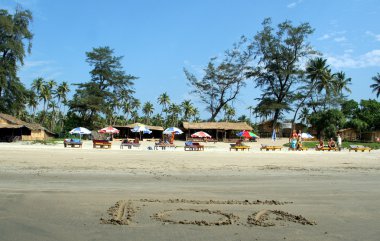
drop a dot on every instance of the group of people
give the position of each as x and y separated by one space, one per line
331 143
296 140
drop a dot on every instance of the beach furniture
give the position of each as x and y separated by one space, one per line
128 144
359 148
326 148
267 147
239 147
193 146
72 143
163 146
101 144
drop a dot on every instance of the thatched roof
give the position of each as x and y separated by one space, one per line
238 126
152 128
10 126
13 122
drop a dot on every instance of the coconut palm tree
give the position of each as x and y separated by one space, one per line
304 116
188 109
320 75
164 101
230 113
174 111
148 109
61 93
341 83
32 103
376 86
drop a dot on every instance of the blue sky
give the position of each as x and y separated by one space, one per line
160 38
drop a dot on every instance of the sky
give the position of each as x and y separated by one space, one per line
159 38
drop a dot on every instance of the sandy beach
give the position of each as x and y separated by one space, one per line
51 193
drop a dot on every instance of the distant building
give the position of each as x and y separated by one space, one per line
13 129
125 131
221 131
349 134
265 129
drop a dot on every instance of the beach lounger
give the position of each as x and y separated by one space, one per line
163 146
361 148
72 143
129 144
267 147
326 148
194 146
101 144
239 147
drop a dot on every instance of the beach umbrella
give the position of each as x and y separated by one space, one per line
174 130
247 134
274 137
109 129
244 134
141 128
201 134
81 131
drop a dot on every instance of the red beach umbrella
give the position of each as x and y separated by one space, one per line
109 129
201 134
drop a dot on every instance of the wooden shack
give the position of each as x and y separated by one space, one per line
349 134
13 129
125 131
221 131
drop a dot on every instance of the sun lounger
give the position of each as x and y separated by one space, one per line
239 147
326 148
129 144
163 146
273 148
101 144
194 146
361 148
72 143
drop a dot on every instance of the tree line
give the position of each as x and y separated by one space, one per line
292 76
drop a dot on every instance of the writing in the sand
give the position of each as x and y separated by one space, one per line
198 212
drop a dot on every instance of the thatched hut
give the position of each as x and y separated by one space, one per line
221 131
12 129
125 131
349 134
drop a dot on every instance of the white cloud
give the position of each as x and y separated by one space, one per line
369 59
376 36
324 37
40 68
294 4
340 39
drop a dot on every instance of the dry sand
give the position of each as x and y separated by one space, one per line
52 193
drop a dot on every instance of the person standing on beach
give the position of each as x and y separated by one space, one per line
339 142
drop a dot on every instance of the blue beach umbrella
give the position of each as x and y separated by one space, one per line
81 131
174 130
274 137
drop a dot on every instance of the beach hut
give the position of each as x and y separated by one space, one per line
126 131
13 129
221 131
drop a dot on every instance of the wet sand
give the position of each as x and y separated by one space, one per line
51 193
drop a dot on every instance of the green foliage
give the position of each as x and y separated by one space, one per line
327 123
15 41
370 113
279 52
109 90
376 86
222 81
350 108
345 144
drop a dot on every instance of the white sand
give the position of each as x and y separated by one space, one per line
52 193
